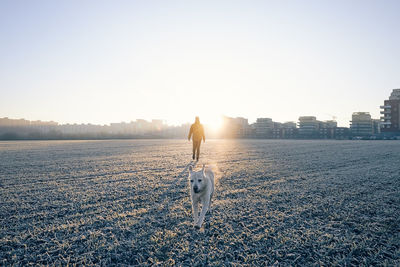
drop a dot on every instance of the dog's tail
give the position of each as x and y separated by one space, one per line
213 169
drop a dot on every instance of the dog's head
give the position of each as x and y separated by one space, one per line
197 180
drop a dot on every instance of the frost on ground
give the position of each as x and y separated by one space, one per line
127 203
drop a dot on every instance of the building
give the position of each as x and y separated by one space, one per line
264 127
327 129
157 126
287 130
342 133
235 127
376 126
390 121
25 128
277 131
361 124
243 126
309 126
6 122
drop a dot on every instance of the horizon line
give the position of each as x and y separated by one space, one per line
163 121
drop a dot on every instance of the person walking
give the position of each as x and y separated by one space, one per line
197 130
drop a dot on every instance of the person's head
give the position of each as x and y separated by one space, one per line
197 120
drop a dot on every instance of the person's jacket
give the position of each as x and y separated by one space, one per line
197 130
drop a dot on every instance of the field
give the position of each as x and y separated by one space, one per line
277 202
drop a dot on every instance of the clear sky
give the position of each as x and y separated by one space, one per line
112 61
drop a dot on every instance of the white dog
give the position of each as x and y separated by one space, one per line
201 191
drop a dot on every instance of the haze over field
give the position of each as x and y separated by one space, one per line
101 61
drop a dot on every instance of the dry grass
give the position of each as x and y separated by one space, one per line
126 203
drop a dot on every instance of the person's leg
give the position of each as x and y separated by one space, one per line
194 148
198 150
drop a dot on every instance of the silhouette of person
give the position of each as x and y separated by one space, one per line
197 130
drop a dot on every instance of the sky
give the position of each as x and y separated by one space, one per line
111 61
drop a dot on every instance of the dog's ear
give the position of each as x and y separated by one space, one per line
190 168
204 168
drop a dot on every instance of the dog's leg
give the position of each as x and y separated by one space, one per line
203 213
209 205
195 206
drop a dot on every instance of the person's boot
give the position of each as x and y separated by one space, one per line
193 157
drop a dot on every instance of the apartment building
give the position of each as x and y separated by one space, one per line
308 126
286 130
361 124
390 121
264 127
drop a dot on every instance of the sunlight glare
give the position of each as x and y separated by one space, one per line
212 122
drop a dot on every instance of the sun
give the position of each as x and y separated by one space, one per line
214 123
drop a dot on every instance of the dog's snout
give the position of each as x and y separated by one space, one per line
195 188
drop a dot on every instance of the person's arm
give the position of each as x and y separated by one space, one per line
190 132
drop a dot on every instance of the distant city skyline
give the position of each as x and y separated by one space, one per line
103 62
309 127
362 126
